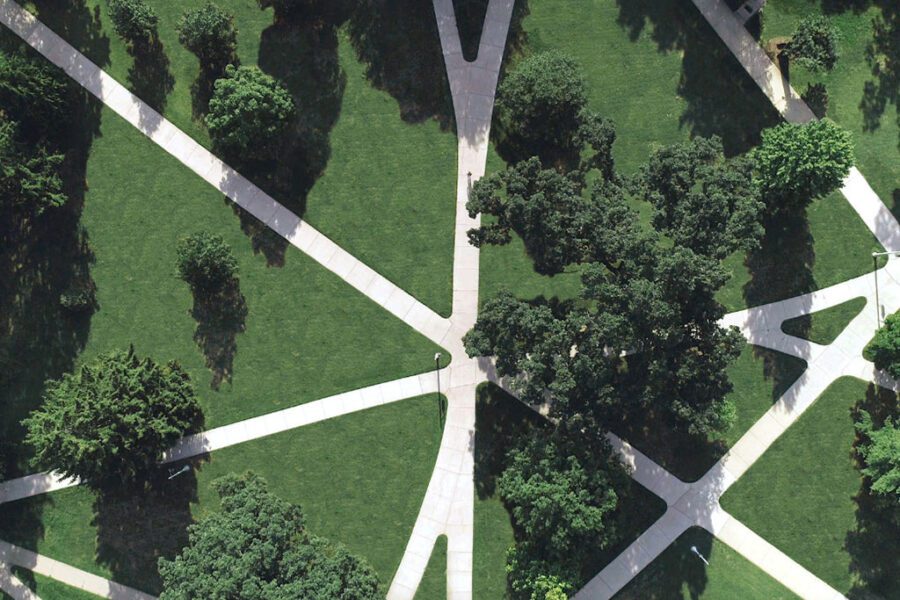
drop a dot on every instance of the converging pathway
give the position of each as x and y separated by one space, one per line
448 505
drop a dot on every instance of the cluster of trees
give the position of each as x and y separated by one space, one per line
258 547
644 332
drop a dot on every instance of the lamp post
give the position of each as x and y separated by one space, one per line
700 556
875 256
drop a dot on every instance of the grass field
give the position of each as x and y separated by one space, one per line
379 183
663 76
360 480
500 420
759 376
804 497
434 581
824 326
678 573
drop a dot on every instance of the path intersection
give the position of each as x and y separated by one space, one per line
448 505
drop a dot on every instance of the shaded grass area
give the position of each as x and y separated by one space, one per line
434 581
859 99
663 75
760 376
360 480
824 326
500 421
48 589
347 165
805 496
678 573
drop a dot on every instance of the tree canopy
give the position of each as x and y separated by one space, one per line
880 452
134 20
814 43
561 491
248 113
884 348
209 32
112 419
258 548
797 163
205 262
703 201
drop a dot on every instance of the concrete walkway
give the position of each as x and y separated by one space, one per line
20 557
13 586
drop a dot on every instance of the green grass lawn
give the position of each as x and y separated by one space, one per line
307 334
875 130
360 479
500 420
48 589
760 376
387 189
678 573
434 581
663 76
803 496
824 326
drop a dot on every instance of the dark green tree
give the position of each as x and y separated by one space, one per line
112 419
248 113
702 200
258 548
29 177
134 20
880 454
206 262
33 94
561 491
209 32
539 107
797 163
884 349
814 43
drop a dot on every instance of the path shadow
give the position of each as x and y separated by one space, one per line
137 525
399 44
874 543
721 97
220 319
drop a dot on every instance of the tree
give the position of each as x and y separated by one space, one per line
29 177
133 20
814 43
884 349
205 262
248 113
702 200
113 418
257 548
880 453
209 32
33 94
561 491
799 162
539 106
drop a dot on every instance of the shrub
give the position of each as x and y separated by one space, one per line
814 44
205 262
248 113
133 20
209 33
884 349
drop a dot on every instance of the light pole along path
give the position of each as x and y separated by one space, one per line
449 500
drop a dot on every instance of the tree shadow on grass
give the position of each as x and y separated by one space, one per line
137 525
721 97
874 544
399 43
220 319
149 76
674 569
883 58
78 24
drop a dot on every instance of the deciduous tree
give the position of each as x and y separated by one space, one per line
205 262
884 349
134 20
814 44
209 32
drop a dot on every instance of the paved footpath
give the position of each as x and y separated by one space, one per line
13 586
